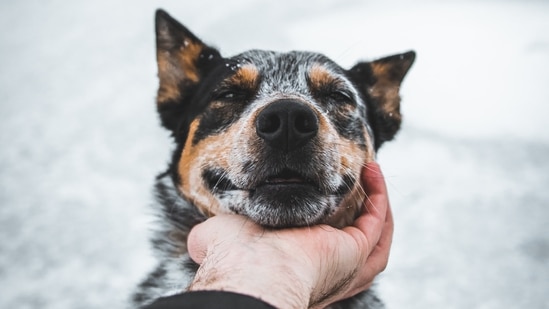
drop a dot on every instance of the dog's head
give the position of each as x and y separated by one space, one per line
278 137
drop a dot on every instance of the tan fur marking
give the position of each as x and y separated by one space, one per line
174 69
188 55
386 91
169 75
192 186
167 93
246 77
324 127
320 76
379 70
194 158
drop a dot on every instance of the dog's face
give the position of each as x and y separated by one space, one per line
278 137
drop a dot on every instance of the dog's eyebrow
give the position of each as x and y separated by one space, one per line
320 77
246 77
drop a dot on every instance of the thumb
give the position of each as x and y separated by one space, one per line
216 230
198 240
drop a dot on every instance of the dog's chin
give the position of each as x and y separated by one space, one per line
284 205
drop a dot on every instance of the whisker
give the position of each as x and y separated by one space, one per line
371 169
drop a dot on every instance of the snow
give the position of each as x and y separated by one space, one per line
468 174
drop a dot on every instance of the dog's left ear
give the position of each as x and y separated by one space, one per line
379 81
183 60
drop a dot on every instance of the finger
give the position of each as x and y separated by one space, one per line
373 229
378 259
376 203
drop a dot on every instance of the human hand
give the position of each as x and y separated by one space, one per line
298 267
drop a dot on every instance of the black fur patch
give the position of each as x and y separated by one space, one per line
216 181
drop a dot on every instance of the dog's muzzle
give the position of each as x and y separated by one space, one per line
289 179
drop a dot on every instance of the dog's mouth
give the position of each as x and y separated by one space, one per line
288 177
217 181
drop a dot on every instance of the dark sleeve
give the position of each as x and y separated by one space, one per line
209 300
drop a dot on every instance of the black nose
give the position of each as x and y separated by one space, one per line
286 125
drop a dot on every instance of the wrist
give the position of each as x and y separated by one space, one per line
233 271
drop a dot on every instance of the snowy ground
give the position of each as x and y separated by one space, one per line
469 173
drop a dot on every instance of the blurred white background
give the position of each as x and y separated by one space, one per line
80 142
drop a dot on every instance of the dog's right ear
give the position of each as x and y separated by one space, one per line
380 81
183 60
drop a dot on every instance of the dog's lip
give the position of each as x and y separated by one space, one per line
284 178
287 177
278 180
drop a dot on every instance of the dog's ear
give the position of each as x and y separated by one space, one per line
379 81
183 60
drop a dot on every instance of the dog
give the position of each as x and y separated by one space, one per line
278 137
